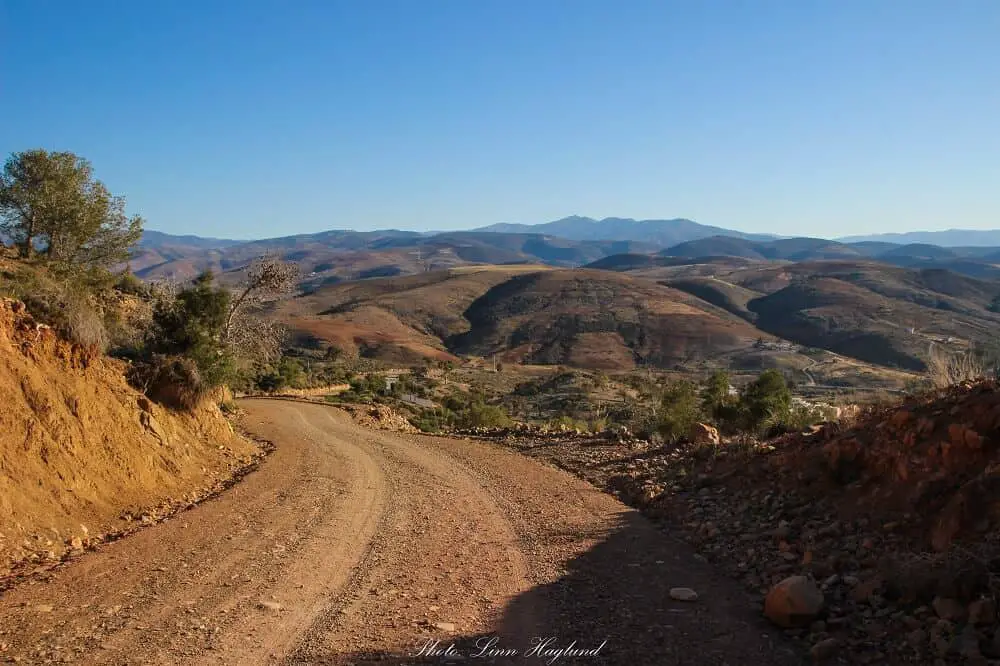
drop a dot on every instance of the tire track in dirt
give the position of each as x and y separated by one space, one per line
189 589
368 545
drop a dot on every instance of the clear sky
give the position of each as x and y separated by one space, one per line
250 118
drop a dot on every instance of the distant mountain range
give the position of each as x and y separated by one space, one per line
335 255
980 262
151 238
949 238
669 292
332 256
658 232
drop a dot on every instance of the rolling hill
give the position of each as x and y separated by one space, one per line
535 315
405 296
593 319
974 261
882 314
334 256
578 317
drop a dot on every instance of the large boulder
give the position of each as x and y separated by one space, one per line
794 602
702 433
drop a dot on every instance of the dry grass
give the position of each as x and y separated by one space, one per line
84 325
947 369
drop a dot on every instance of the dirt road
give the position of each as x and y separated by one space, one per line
352 546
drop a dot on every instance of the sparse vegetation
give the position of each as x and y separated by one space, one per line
718 404
948 368
191 326
679 410
77 308
462 410
765 402
246 332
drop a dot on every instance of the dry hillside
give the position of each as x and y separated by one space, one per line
874 312
397 319
579 317
597 319
80 449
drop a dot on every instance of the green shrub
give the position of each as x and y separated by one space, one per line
718 404
291 373
765 401
680 409
128 283
479 415
191 326
433 420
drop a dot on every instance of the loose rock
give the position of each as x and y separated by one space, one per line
683 594
794 602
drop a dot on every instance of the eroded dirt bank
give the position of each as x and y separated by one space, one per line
82 453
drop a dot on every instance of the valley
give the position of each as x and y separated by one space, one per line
737 301
688 316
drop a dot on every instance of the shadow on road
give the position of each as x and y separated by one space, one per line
616 594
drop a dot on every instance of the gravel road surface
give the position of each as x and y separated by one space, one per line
354 546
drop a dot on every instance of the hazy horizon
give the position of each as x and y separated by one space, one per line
845 238
258 119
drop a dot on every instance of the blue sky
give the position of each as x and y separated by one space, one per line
249 119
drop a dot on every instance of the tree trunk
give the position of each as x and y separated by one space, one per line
25 248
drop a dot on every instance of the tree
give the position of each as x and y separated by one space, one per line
679 410
191 326
718 403
251 336
715 394
767 398
50 203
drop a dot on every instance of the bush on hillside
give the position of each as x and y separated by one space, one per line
128 283
765 401
174 381
85 326
288 373
433 420
189 327
480 415
68 302
680 409
718 404
946 369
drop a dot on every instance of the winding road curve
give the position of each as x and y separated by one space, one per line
351 546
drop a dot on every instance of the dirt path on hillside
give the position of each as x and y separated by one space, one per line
352 546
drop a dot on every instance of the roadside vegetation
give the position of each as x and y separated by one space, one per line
67 242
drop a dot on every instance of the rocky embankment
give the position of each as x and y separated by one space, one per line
871 542
84 457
